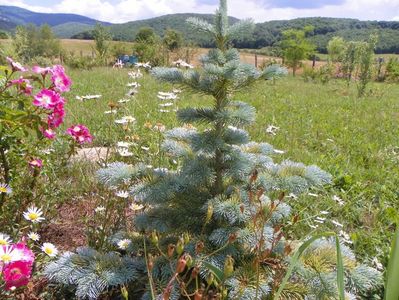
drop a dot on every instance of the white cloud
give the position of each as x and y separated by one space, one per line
129 10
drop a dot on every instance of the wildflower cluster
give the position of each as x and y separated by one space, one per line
18 259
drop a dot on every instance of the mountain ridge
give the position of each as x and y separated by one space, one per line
266 34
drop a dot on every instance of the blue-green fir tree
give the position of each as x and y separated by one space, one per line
214 226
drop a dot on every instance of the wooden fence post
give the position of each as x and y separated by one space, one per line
256 60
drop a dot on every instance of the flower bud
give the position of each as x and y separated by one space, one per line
150 262
209 213
189 260
180 246
198 295
228 266
199 247
125 293
166 293
171 250
232 237
181 264
195 272
154 237
186 237
210 278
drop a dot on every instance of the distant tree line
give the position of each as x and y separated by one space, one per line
269 34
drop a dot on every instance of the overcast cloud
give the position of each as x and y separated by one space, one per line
119 11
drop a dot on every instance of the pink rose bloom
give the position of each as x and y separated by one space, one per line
23 85
56 118
16 66
49 133
61 81
36 163
47 99
80 133
40 70
17 274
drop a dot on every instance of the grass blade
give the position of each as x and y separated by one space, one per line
295 260
340 271
392 286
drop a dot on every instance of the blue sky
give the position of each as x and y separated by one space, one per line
119 11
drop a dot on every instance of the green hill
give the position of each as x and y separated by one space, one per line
266 34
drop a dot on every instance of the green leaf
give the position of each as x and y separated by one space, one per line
392 286
216 271
340 271
295 260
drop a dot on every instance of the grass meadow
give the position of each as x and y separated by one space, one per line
355 139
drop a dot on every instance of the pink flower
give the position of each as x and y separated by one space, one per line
56 118
40 70
49 133
16 66
17 274
61 81
36 163
23 85
24 252
80 133
47 99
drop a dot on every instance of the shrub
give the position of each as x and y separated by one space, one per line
392 69
217 224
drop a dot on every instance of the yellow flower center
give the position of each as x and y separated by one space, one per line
5 257
3 242
33 216
3 189
48 251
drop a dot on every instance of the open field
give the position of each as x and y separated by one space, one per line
354 139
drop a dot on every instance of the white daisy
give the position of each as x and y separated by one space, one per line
124 100
279 151
134 84
377 264
126 120
132 92
324 212
34 236
99 209
124 144
49 249
271 129
5 188
159 127
123 244
345 237
108 112
122 194
34 214
167 104
164 110
136 207
9 254
313 195
320 220
87 97
336 223
338 200
124 152
4 239
145 148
